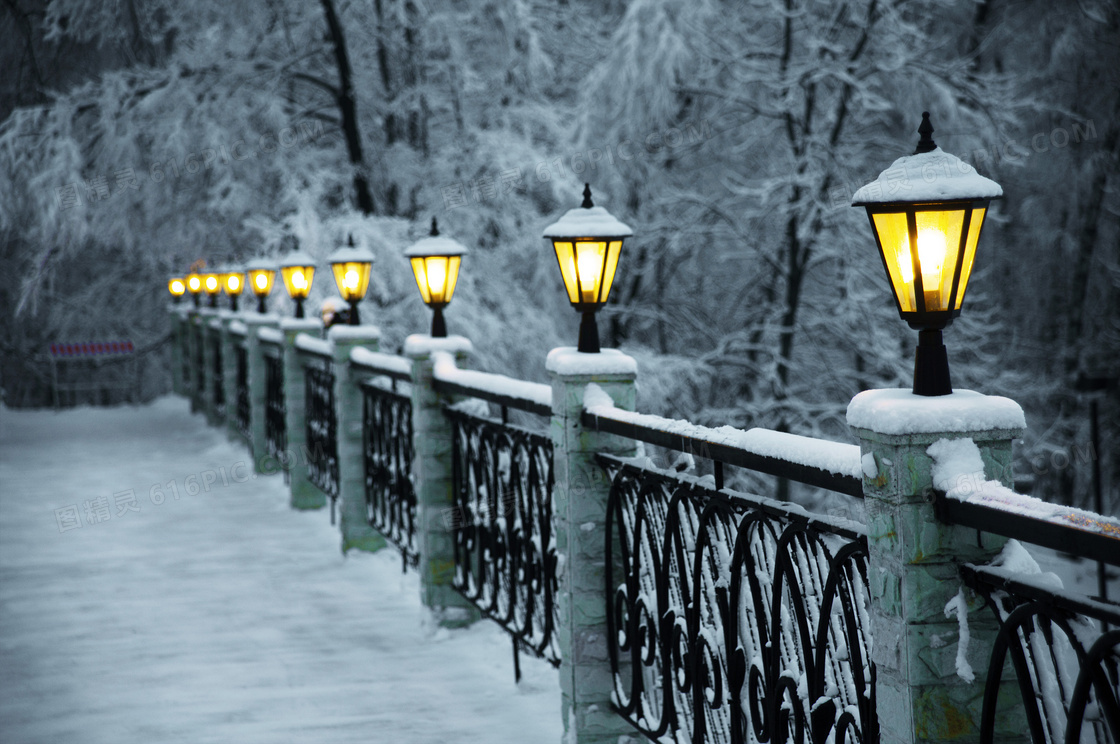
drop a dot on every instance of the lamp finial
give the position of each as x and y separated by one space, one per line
350 240
926 143
434 232
587 203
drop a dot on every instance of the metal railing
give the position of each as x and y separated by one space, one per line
275 426
219 377
322 423
733 617
502 475
243 408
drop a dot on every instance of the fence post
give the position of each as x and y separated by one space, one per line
305 494
258 388
194 324
354 519
432 453
579 524
209 404
229 343
913 568
177 315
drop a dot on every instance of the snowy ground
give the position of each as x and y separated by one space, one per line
222 616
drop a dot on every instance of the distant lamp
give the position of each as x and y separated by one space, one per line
194 286
298 269
587 241
177 287
262 273
435 263
351 268
926 212
233 282
212 284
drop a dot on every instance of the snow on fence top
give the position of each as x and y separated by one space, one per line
419 344
236 326
833 457
390 364
215 323
566 360
498 388
314 345
926 177
901 412
354 333
270 335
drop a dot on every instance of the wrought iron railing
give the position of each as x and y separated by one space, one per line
275 427
322 425
243 409
219 377
198 336
184 341
387 444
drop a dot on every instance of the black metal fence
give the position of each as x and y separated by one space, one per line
218 376
734 618
243 410
505 553
275 427
322 426
387 443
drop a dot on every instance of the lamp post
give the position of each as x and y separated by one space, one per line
435 263
234 283
262 273
194 286
351 273
176 287
212 283
587 241
298 269
926 211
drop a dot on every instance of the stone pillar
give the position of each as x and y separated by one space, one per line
579 524
258 392
305 495
431 477
914 562
354 520
230 341
209 406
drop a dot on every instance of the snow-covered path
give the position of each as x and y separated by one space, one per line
222 616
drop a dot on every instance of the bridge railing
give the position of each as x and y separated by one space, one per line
677 608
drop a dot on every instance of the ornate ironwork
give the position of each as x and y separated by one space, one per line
275 431
185 355
322 428
1067 670
733 618
505 553
243 392
387 443
219 377
199 367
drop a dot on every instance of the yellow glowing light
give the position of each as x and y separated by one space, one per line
351 280
195 283
262 282
211 284
176 287
298 280
588 267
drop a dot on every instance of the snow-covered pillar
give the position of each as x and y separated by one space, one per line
432 453
209 404
931 662
258 389
229 342
305 494
354 521
579 517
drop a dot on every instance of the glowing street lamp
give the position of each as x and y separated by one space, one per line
587 241
926 211
212 284
351 268
298 269
177 287
435 264
194 286
233 281
262 273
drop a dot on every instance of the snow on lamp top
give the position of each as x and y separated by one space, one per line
435 244
588 222
351 254
297 258
262 263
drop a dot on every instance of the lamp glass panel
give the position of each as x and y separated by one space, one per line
235 283
176 287
939 243
261 281
194 283
452 264
613 250
211 283
420 271
352 279
590 260
894 239
297 280
564 255
970 251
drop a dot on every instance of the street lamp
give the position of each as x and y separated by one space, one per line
194 286
926 211
262 273
234 282
298 269
176 287
212 283
587 241
435 264
351 273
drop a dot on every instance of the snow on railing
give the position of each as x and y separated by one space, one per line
237 327
270 335
380 363
533 397
311 345
215 323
